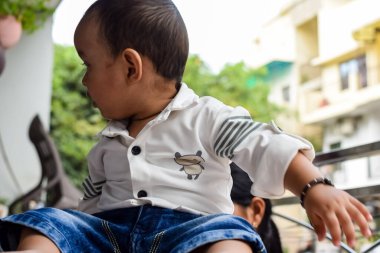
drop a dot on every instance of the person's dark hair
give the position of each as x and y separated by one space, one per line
241 194
154 28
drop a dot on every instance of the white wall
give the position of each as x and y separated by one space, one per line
25 90
287 78
355 172
276 41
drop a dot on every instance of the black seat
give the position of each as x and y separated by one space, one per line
54 189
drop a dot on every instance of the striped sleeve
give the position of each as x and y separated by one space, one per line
94 183
262 150
232 132
92 189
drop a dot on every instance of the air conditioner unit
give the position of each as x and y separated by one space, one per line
347 126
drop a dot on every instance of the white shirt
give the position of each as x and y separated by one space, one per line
180 160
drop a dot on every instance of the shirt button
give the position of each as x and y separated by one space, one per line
136 150
142 194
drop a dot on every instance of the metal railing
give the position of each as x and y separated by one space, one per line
338 156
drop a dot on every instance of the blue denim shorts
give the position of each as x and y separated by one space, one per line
136 230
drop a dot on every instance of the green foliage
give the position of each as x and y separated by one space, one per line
31 13
3 201
235 85
198 75
74 122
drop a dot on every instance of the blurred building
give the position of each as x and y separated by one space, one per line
323 58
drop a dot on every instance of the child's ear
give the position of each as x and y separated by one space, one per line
133 63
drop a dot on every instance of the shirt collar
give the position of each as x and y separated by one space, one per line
185 98
114 128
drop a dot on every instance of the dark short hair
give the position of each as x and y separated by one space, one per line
154 28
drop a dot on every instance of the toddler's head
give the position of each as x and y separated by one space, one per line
128 42
154 28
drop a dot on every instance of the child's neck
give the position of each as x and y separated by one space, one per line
135 127
151 116
138 122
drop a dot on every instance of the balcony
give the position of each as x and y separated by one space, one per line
309 72
319 107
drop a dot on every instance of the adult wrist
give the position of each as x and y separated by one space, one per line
311 184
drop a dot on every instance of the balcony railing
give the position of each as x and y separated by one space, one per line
317 106
365 193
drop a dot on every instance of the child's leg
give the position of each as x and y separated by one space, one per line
32 241
226 246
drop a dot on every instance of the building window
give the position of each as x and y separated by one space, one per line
335 146
286 93
353 73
